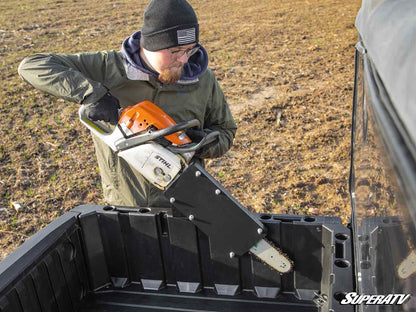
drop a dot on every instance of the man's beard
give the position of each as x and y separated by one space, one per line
171 75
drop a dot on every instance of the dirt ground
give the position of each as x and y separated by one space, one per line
286 68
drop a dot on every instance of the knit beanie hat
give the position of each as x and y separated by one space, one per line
168 23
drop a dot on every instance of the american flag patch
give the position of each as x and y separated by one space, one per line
186 36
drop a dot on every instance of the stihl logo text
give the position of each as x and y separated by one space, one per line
163 161
355 299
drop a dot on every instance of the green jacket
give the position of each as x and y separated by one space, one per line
86 77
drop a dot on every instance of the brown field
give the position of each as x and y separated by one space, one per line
286 68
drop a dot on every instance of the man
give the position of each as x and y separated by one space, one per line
163 63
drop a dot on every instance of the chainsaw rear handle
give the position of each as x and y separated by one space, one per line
100 129
96 126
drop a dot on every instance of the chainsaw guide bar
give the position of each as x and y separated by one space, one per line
272 256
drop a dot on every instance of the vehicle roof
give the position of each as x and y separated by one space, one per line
388 31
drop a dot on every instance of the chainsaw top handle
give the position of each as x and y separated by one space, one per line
209 138
127 143
118 142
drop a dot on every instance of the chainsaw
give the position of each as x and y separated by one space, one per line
158 148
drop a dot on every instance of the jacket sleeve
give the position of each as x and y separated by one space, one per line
82 78
218 117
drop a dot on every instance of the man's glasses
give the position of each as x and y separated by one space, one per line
189 52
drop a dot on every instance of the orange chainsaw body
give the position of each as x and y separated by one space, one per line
146 115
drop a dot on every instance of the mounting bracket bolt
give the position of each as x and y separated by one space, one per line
172 200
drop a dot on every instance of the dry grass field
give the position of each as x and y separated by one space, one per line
286 68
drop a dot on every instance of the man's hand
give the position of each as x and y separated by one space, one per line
196 135
105 109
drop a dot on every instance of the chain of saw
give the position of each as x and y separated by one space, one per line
281 253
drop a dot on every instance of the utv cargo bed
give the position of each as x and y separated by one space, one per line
104 258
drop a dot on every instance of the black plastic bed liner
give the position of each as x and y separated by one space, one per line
102 258
168 299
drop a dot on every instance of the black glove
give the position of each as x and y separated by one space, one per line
105 109
196 135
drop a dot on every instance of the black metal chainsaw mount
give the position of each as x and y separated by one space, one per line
231 228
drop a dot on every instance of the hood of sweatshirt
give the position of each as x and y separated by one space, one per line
195 67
